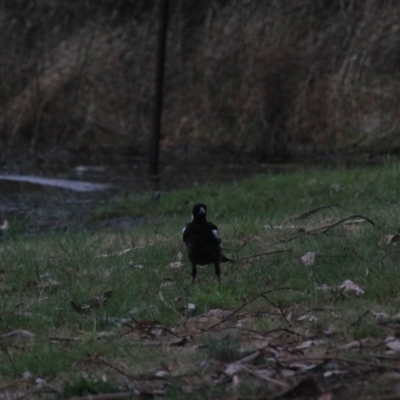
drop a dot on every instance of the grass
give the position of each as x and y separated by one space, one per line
128 341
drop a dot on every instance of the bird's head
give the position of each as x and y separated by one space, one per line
199 211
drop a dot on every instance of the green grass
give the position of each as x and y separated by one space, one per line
80 349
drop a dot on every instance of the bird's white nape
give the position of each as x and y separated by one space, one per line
192 218
183 230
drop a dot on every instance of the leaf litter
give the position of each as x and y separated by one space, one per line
278 350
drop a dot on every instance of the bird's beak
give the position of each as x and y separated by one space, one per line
202 210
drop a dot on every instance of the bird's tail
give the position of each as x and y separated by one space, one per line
225 259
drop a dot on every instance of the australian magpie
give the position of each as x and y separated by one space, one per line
202 240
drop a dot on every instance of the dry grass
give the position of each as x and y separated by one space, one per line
264 77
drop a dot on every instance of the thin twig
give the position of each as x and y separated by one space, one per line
326 228
147 330
276 306
99 361
250 357
263 254
262 334
246 304
335 358
314 309
111 396
265 377
358 320
314 211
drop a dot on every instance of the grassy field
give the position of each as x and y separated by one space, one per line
115 312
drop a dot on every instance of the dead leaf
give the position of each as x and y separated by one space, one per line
140 266
81 308
19 333
167 284
235 381
308 259
392 239
307 317
389 376
175 264
350 286
286 373
323 287
93 303
47 281
354 343
329 330
117 253
40 383
161 373
396 316
233 369
302 366
217 313
4 226
305 345
392 344
283 226
326 396
380 315
333 372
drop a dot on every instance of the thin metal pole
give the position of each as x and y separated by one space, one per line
154 147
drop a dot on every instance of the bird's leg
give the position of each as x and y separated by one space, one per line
217 271
194 272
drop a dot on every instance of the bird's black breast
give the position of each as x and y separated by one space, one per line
202 245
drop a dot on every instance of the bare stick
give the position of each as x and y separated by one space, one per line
246 304
325 229
269 253
314 211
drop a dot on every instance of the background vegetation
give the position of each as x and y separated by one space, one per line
272 78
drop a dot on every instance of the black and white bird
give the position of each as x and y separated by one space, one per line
202 240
